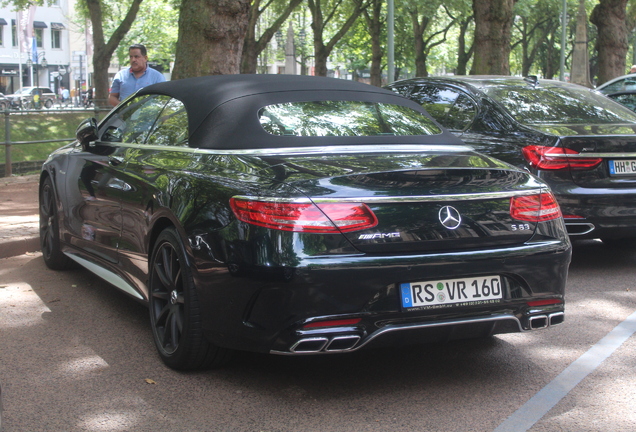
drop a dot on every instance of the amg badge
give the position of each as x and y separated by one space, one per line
379 236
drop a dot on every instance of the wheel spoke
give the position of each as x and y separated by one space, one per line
162 316
175 328
162 268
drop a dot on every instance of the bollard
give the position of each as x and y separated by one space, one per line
7 144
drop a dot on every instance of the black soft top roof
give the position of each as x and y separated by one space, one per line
223 109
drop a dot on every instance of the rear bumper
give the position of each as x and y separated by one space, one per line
266 309
351 339
596 212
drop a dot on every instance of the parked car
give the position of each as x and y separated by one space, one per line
25 97
580 143
4 102
300 215
619 84
626 98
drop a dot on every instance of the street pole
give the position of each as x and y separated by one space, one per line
564 19
390 42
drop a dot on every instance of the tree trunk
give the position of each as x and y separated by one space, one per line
610 16
493 28
252 47
102 50
375 22
419 46
550 65
322 50
463 56
211 36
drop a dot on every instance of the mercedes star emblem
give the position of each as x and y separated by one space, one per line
450 217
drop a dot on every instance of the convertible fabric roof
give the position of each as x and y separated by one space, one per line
222 109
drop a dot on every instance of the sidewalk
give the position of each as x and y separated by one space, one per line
19 216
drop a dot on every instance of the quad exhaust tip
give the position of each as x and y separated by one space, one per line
352 342
323 344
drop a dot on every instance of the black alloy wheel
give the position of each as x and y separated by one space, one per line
175 315
49 229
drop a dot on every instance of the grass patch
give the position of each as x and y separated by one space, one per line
39 126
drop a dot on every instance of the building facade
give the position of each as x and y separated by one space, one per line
40 47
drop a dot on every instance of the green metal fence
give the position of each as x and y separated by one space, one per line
10 114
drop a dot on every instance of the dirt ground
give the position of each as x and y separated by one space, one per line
19 195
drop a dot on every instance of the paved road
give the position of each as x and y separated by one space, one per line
77 355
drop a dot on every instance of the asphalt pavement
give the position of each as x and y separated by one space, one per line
19 215
77 355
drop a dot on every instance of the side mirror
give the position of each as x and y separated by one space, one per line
86 131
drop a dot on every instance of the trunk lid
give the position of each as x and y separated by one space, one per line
424 202
614 145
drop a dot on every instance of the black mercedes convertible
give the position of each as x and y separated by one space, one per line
300 215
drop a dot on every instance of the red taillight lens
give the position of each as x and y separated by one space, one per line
325 218
333 323
535 208
536 303
557 158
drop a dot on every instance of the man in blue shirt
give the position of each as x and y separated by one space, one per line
138 75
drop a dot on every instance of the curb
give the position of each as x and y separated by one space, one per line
19 247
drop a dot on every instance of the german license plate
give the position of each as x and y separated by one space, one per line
451 292
622 167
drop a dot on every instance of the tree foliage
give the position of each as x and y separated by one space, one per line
255 41
331 20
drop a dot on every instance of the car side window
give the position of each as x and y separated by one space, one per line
171 128
402 90
627 99
626 84
461 114
133 121
451 108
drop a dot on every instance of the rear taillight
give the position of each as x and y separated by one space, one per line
546 302
333 323
557 158
535 208
325 218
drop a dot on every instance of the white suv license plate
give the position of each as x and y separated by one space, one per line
451 292
622 167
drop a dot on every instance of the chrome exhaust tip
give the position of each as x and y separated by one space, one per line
575 229
309 345
556 318
538 322
342 343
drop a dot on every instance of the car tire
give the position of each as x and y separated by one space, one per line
53 256
620 243
3 106
48 103
175 314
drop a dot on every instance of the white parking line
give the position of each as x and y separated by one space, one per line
539 405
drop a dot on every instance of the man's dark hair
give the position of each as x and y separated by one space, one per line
140 47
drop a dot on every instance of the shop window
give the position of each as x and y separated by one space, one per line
39 37
56 39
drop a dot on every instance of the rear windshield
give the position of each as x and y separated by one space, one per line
344 118
559 105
